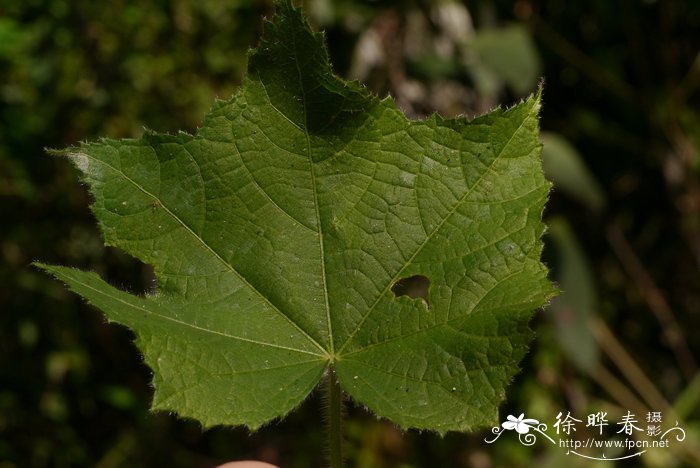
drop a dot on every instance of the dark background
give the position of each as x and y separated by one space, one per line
621 127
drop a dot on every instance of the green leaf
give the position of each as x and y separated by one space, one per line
278 231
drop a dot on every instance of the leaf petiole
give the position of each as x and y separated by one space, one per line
335 418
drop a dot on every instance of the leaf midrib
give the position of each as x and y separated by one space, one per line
314 190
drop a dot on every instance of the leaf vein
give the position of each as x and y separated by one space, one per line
429 237
216 254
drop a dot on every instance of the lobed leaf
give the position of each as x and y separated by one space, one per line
279 230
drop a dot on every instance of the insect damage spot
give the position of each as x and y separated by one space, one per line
415 287
80 160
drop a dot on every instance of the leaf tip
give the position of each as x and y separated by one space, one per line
80 160
53 270
536 97
55 152
42 266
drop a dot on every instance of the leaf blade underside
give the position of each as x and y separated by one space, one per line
278 230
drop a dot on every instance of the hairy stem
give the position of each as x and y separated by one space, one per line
334 417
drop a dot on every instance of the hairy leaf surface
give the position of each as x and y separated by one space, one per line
279 230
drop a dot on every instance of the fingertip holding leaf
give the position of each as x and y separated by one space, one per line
280 231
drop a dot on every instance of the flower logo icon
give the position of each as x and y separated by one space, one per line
520 424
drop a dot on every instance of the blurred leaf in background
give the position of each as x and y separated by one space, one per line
506 56
564 166
572 310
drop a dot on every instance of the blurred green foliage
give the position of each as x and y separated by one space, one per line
622 112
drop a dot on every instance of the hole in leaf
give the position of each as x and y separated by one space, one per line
414 287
